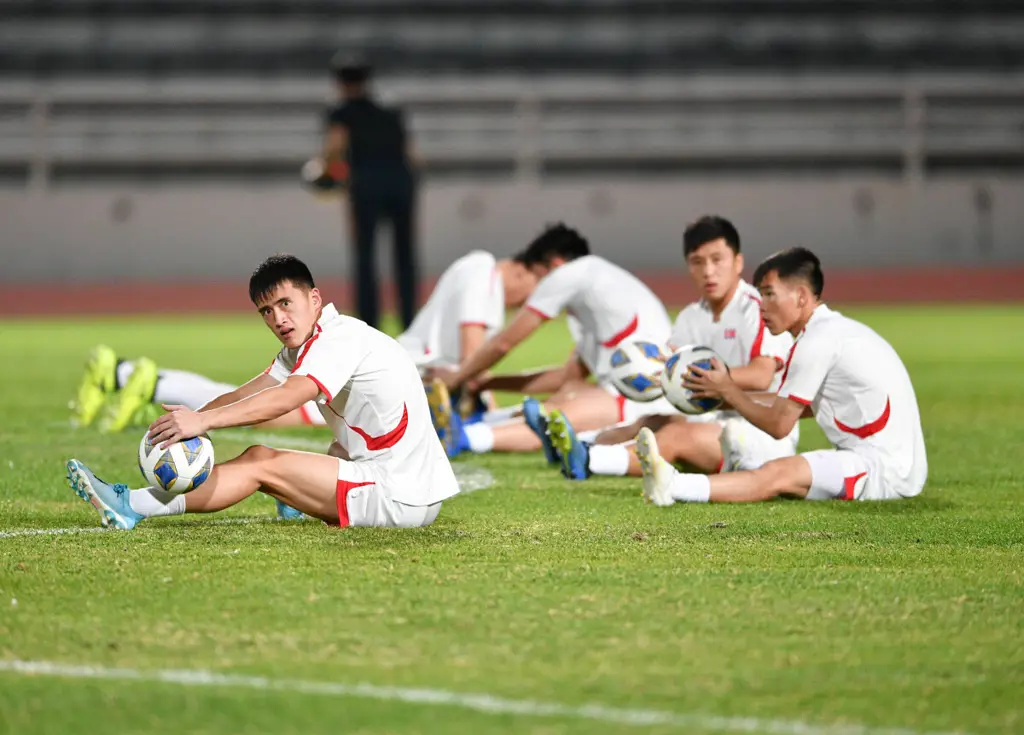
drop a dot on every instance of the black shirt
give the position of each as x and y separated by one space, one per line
376 135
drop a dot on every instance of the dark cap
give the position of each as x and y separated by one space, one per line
350 68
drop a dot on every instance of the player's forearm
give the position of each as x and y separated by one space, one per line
762 414
266 405
224 400
483 359
752 377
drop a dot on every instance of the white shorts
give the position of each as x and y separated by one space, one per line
311 414
745 447
840 474
363 501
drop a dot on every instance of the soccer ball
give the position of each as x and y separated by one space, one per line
636 365
676 368
181 467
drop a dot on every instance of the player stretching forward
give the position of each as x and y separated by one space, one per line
605 305
841 372
466 307
728 320
386 466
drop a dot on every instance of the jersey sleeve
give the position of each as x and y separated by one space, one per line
683 332
329 364
476 292
810 360
280 368
337 115
556 290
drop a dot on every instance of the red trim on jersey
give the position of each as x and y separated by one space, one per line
305 348
867 429
755 350
270 367
322 389
538 312
721 464
473 324
801 401
630 328
621 401
375 443
785 372
850 486
341 497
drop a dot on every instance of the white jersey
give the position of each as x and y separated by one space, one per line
739 334
861 396
605 305
372 397
469 292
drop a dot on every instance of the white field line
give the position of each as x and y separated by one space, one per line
484 703
100 529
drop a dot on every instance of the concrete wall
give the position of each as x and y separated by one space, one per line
207 232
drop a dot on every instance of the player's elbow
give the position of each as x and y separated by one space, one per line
780 428
502 346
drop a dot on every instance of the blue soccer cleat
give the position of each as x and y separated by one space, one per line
575 455
288 513
110 501
537 419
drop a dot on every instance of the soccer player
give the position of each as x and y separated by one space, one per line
728 320
467 306
605 305
386 466
840 372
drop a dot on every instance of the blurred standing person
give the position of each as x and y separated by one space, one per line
372 139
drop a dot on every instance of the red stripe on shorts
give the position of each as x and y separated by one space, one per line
341 496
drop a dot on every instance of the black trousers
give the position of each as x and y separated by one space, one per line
375 196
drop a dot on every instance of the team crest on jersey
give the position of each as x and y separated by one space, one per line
730 334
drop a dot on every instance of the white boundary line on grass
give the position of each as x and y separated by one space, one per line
99 529
484 703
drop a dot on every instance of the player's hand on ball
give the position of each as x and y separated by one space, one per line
713 383
179 423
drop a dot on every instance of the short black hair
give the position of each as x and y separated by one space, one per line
274 271
793 263
557 240
708 228
350 68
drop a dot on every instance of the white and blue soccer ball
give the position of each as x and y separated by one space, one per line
179 468
676 368
636 365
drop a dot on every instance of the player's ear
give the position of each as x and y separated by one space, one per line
739 263
314 295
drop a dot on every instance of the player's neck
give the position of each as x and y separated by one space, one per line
717 307
801 323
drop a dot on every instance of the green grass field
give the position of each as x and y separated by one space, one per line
789 617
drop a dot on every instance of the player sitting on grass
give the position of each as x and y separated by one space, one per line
605 305
466 307
728 320
386 466
840 372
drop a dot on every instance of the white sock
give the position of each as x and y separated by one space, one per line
152 502
690 488
188 389
500 415
588 437
480 438
609 459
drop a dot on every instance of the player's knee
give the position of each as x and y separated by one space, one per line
775 478
258 453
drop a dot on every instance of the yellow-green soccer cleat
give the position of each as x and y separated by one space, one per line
98 383
136 394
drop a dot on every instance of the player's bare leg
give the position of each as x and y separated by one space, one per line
589 408
664 485
627 433
304 480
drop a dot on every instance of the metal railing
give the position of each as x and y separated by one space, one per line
212 128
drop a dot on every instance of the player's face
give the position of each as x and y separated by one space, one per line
715 269
780 303
291 312
519 284
542 269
